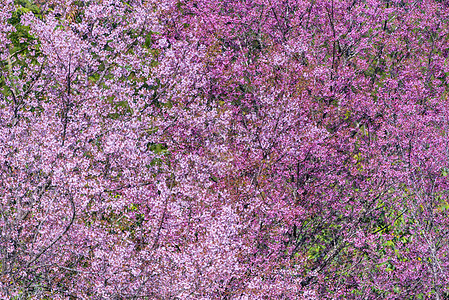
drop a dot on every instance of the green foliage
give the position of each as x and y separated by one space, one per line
21 37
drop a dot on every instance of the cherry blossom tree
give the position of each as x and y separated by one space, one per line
281 149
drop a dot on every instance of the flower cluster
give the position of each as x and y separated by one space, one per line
203 149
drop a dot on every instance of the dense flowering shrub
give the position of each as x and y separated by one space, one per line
282 149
